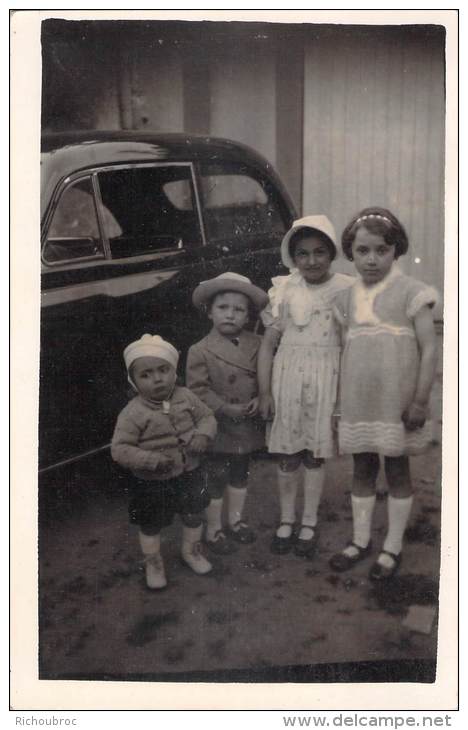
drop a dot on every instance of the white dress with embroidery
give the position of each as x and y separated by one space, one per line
380 365
306 365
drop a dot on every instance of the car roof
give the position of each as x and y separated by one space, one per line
64 153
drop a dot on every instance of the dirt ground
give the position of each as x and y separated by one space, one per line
262 616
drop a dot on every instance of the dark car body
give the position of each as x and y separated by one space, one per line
130 224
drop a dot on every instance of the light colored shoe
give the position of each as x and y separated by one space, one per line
191 551
155 575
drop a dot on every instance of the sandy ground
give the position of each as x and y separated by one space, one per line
257 613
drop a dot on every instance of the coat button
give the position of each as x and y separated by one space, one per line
232 379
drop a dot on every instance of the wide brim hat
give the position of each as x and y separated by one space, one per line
229 281
316 222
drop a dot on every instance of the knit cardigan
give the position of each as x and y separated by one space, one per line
144 432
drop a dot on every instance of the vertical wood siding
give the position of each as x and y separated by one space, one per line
156 88
243 103
290 116
350 116
374 134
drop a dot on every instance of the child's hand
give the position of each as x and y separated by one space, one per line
165 465
266 407
335 422
252 408
236 411
198 444
414 417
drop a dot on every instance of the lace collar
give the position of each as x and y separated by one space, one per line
300 296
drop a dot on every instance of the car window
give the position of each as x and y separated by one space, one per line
154 207
74 231
179 193
238 202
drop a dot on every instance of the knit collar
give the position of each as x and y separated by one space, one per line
159 405
374 289
365 296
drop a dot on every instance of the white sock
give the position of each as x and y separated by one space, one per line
398 515
150 544
313 487
190 536
213 518
236 500
363 510
288 483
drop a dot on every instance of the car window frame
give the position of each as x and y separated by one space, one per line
67 183
93 173
260 176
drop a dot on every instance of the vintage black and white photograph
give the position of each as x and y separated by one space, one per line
242 255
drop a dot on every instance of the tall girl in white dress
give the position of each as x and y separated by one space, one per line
388 367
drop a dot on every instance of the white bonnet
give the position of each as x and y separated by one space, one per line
151 346
319 223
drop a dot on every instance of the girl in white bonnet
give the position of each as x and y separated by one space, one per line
159 437
298 384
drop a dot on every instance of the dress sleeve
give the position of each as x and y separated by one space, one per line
340 307
269 320
419 296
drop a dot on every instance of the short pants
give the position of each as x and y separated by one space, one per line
154 504
224 469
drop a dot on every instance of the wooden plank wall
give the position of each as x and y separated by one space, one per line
350 116
374 134
155 86
243 100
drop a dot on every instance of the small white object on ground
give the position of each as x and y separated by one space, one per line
420 618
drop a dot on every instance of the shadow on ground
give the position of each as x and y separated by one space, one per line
256 617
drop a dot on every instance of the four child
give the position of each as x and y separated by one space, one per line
384 322
159 437
388 369
300 390
222 372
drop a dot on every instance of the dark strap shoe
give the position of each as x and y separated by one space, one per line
241 533
341 561
306 548
282 545
221 545
380 572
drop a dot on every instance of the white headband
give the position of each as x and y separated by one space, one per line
373 215
151 346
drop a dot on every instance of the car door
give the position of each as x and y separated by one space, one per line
120 256
245 219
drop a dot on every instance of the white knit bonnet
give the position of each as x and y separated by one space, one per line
151 346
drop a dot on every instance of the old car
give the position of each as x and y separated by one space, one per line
130 224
